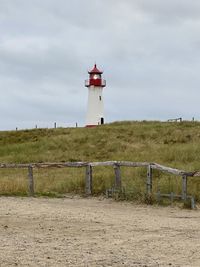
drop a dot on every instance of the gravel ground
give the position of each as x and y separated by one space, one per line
96 232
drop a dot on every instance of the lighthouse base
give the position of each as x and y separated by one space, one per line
90 126
94 125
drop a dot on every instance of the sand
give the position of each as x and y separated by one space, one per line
96 232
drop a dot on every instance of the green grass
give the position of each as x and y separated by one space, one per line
171 144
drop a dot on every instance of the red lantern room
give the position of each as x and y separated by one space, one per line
95 78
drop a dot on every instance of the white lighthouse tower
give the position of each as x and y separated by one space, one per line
95 110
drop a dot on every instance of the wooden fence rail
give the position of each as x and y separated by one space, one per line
117 172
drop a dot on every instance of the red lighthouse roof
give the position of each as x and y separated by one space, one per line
95 70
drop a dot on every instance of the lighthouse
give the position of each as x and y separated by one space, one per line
95 109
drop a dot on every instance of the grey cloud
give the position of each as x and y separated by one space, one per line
148 49
171 11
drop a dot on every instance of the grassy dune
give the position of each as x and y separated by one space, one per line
171 144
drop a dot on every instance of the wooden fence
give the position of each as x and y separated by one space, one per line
116 166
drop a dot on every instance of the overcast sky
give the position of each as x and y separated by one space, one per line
149 51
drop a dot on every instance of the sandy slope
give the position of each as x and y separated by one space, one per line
96 232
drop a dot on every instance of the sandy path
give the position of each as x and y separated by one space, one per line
94 232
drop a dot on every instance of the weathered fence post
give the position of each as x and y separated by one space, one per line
30 181
149 180
193 206
88 180
117 176
184 187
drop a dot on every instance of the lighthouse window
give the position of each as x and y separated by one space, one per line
100 98
96 76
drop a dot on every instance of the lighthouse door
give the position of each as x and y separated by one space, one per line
102 120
